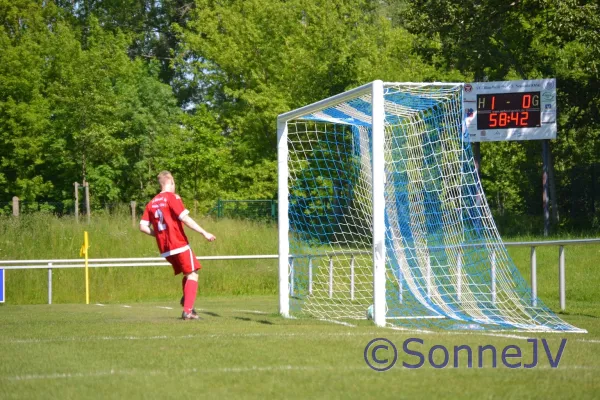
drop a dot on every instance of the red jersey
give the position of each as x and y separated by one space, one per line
165 212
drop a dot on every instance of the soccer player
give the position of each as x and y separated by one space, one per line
163 218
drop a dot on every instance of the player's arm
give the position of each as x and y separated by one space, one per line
147 229
190 223
145 226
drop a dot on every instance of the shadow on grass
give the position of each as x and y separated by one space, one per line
260 321
212 314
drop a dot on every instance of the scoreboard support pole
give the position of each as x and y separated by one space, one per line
545 184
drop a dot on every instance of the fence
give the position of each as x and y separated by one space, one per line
158 261
245 209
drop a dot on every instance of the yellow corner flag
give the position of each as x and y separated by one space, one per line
83 252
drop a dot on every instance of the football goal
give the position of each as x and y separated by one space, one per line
382 215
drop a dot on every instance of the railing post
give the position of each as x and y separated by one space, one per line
400 281
493 277
428 277
292 277
459 277
310 278
561 277
49 283
533 277
352 278
330 277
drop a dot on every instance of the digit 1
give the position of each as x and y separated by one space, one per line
493 101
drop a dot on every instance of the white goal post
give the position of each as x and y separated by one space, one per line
380 205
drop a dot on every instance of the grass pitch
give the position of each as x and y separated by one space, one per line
243 349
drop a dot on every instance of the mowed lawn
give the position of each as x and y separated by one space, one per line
243 349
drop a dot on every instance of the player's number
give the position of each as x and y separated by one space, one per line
161 220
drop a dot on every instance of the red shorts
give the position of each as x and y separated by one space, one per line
185 262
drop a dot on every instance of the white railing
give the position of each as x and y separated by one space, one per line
107 262
159 261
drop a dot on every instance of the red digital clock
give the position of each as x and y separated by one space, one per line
508 110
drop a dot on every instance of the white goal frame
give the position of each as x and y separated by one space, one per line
376 89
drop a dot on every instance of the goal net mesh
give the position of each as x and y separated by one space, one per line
446 265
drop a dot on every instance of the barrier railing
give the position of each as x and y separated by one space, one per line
51 264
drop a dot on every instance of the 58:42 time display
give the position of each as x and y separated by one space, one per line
508 110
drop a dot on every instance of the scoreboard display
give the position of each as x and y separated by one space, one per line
512 110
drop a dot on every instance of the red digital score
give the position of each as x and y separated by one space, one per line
508 110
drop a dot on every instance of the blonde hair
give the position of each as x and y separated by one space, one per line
163 177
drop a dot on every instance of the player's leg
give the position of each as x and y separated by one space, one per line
191 288
183 281
181 264
189 265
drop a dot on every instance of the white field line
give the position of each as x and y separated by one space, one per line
236 370
101 305
126 306
337 322
481 333
207 336
257 335
165 308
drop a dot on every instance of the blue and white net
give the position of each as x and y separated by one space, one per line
445 262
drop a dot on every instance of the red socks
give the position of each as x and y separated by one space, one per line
190 289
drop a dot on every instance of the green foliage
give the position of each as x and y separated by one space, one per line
71 111
114 91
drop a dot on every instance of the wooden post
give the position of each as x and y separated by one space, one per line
133 203
15 206
87 200
76 184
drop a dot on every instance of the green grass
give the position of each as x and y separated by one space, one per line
46 237
242 349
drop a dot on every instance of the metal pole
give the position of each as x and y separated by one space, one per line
310 279
533 277
282 215
291 277
400 281
428 277
352 278
545 186
49 283
378 206
330 278
459 277
561 277
493 277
